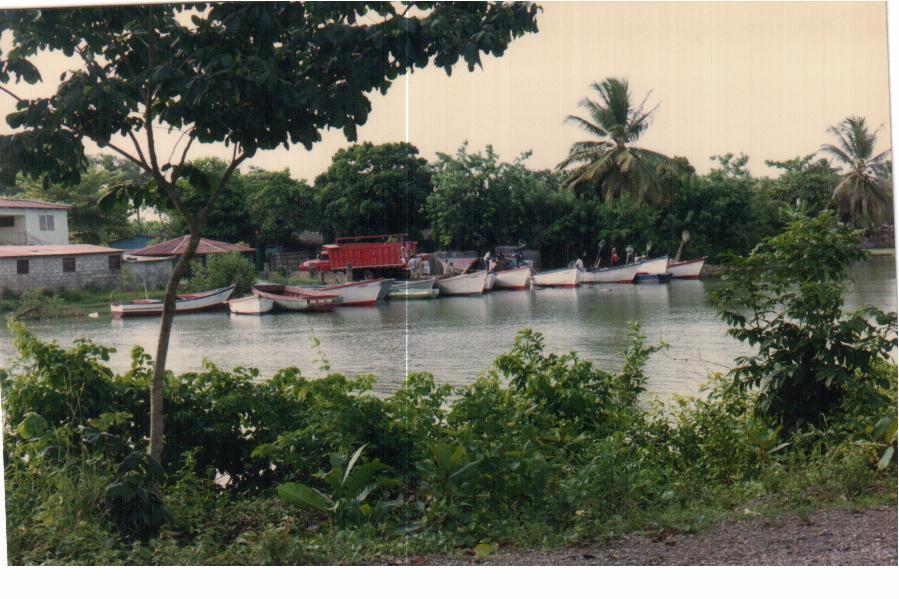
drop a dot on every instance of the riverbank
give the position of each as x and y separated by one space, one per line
831 537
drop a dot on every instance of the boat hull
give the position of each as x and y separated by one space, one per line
655 266
514 279
470 284
297 299
688 269
414 284
413 294
185 304
360 293
252 304
563 277
613 274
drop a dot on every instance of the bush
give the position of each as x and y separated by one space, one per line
786 299
223 270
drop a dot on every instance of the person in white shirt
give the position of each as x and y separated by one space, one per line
579 264
426 267
413 267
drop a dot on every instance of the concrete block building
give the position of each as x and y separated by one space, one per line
53 266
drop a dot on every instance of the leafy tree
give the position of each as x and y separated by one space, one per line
226 269
864 194
611 166
786 300
250 75
373 190
278 206
803 180
88 221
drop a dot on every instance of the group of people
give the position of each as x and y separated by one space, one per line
614 258
419 266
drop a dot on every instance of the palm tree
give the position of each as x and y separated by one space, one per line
865 194
610 165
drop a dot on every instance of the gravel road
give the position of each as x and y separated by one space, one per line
830 537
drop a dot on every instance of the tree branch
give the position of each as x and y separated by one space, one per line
140 152
3 89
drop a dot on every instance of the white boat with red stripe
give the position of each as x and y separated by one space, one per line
184 304
562 277
513 279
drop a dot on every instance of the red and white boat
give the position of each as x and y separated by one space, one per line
186 303
297 299
514 278
653 266
473 283
562 277
360 293
613 274
687 269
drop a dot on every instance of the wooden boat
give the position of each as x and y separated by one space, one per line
413 294
562 277
653 266
469 284
413 284
686 269
359 293
184 304
297 299
251 304
613 274
514 278
643 278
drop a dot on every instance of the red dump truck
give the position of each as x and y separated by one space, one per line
368 257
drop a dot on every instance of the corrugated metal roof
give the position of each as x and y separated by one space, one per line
35 251
176 247
31 204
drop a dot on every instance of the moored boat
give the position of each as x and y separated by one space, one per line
513 279
251 304
613 274
413 294
562 277
686 269
297 299
359 293
653 266
185 303
469 284
413 284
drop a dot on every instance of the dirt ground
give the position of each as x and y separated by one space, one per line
830 537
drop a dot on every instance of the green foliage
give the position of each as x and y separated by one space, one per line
223 270
786 300
373 189
351 482
279 206
132 497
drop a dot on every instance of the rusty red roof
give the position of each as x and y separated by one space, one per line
35 251
176 247
31 204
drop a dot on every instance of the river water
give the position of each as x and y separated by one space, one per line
456 338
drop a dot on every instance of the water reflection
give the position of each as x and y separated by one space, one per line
456 338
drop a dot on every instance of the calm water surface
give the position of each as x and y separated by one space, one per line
456 338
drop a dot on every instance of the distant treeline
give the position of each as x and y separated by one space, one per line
472 201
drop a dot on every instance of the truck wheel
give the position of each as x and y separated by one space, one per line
368 274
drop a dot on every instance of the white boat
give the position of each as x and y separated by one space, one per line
515 278
613 274
412 294
251 304
185 303
470 284
359 293
297 299
490 281
687 269
654 266
562 277
413 284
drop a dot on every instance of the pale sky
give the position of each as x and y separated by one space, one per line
766 79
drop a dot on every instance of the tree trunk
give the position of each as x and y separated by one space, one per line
157 388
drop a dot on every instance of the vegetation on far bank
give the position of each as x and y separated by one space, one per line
542 449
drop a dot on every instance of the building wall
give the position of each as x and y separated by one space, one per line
152 273
14 235
45 272
30 224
